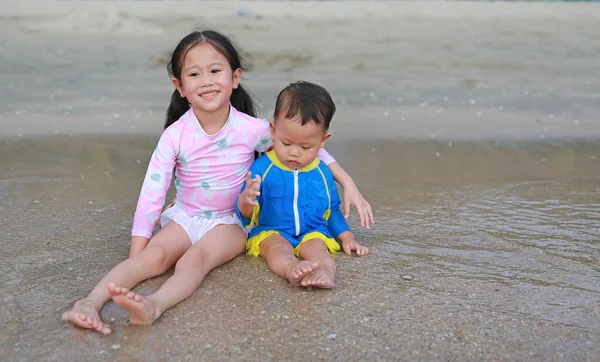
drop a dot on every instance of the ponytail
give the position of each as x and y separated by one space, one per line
177 108
241 100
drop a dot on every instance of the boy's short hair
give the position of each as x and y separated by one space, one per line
308 101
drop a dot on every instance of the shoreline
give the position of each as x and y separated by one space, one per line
414 69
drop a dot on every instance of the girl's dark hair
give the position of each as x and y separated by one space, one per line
240 99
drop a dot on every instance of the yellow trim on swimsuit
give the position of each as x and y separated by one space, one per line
253 244
277 162
332 245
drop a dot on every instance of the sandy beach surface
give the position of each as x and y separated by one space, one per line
472 128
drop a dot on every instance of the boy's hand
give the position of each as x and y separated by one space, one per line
349 244
252 190
353 245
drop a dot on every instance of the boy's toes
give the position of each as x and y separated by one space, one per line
103 328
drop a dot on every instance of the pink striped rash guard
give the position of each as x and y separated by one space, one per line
209 169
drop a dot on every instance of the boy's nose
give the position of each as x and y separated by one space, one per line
294 152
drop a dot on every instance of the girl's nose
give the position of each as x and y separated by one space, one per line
205 80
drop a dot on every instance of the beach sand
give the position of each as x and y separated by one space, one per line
471 127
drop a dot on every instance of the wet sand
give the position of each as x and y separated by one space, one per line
471 127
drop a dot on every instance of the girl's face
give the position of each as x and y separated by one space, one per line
207 79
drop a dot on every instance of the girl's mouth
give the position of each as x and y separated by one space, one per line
207 95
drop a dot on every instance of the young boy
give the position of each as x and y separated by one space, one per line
292 203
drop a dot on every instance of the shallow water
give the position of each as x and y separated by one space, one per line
508 226
502 227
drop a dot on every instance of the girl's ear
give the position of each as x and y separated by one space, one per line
237 77
178 86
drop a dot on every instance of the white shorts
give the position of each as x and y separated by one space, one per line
196 226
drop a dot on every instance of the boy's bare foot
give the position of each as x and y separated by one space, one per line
298 270
85 315
141 310
322 278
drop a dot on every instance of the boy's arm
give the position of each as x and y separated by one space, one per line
336 223
338 227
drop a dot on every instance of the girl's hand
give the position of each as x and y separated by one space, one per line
252 190
352 196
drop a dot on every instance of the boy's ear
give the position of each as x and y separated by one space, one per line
237 77
177 85
272 124
325 138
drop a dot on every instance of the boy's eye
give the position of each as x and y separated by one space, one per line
194 74
214 71
306 147
285 144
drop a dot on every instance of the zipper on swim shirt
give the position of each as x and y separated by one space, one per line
296 215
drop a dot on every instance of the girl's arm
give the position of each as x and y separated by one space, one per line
138 243
153 192
352 196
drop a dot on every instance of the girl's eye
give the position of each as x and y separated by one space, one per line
214 71
285 144
193 74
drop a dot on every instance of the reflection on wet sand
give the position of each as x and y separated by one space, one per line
508 227
505 226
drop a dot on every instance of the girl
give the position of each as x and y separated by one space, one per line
210 138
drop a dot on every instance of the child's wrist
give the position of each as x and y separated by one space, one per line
346 237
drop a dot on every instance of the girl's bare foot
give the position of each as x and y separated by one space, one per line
141 310
85 315
298 270
321 278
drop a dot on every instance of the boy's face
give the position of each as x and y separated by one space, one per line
296 145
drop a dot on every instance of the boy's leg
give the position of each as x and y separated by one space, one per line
217 247
164 249
315 250
279 254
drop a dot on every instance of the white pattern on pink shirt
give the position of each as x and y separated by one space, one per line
209 169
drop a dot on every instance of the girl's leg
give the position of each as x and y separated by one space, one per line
217 247
315 250
279 254
164 249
